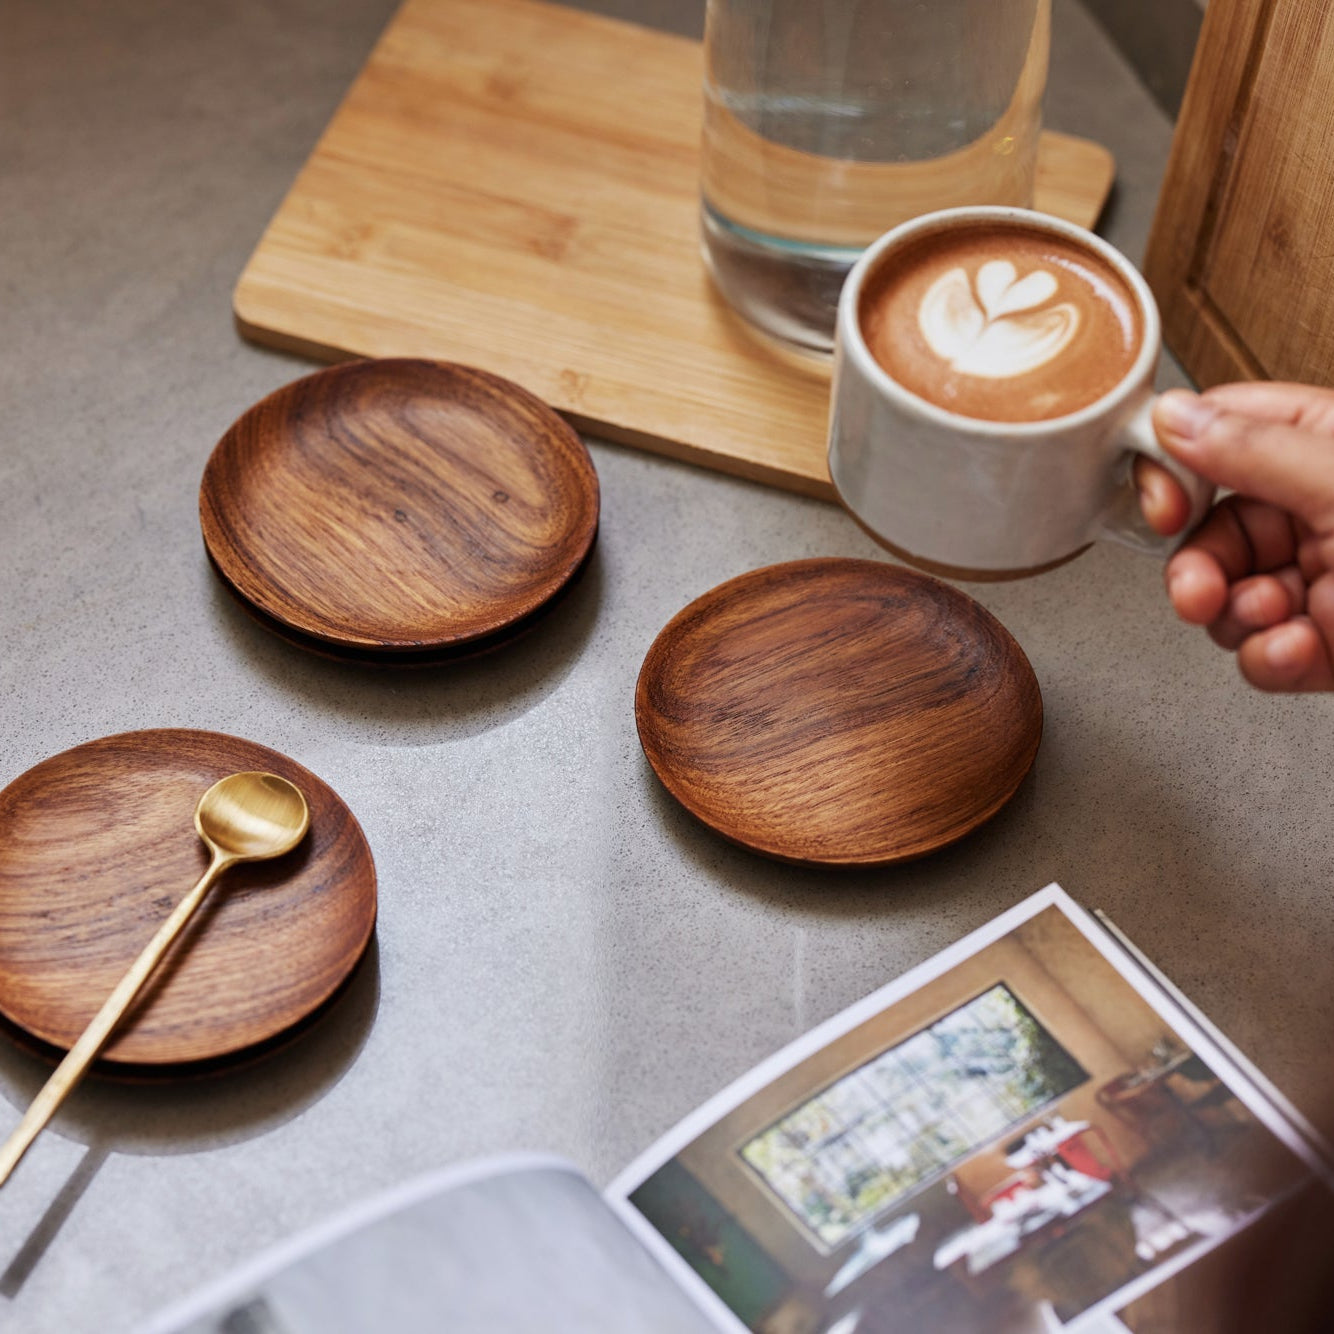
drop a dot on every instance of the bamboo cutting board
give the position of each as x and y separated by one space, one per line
514 185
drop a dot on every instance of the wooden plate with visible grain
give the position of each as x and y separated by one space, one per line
838 712
97 845
399 506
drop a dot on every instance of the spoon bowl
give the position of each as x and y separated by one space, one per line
251 817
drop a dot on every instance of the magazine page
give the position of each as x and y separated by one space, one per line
522 1244
1025 1133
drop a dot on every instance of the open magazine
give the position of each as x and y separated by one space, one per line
1032 1131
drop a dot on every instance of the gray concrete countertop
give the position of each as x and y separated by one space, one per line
564 959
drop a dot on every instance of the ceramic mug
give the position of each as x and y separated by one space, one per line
994 499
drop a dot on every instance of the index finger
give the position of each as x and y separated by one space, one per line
1291 467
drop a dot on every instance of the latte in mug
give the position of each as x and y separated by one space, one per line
1002 322
992 386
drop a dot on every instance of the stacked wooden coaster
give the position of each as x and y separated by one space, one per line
399 512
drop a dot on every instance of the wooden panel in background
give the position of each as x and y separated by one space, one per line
1270 267
513 185
1240 257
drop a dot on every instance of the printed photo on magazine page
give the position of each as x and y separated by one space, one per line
1026 1133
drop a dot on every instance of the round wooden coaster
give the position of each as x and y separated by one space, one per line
399 506
97 845
838 712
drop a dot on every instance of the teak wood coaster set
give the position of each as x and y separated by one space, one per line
409 511
832 712
405 513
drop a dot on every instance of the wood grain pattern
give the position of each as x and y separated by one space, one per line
838 712
1203 150
400 660
97 845
1239 258
515 185
399 507
1269 269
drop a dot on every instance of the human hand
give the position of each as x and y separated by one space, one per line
1259 571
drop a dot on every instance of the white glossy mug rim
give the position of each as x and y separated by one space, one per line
1138 374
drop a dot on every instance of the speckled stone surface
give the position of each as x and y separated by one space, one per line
565 960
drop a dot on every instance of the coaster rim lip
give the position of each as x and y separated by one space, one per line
395 659
43 1044
257 587
851 861
147 1073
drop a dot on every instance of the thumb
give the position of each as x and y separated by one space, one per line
1284 465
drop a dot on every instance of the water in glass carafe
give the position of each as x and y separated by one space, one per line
826 122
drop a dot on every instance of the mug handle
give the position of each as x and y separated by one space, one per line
1123 521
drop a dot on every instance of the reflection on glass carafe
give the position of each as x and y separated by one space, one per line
827 122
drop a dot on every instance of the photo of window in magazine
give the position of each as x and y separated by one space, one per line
1032 1131
1026 1133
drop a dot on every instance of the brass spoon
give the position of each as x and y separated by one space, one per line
246 817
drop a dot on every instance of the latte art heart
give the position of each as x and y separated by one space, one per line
999 327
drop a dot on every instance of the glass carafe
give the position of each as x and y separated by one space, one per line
827 122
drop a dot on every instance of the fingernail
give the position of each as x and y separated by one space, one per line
1184 414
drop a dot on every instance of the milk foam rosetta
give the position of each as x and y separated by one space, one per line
1003 322
996 324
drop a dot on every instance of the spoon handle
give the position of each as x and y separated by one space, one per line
93 1038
